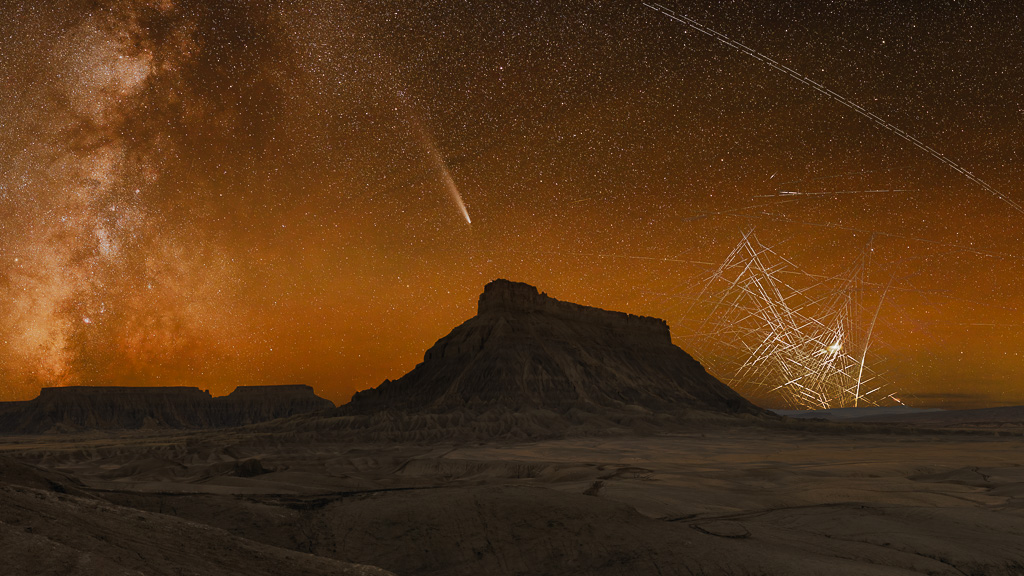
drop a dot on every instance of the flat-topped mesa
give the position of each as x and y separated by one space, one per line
525 350
252 404
281 390
507 296
114 407
66 393
125 408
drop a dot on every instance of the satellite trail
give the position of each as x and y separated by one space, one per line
782 331
789 193
838 98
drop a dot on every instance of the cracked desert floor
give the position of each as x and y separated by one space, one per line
722 501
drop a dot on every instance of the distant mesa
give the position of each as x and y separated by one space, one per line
126 408
526 366
977 418
525 350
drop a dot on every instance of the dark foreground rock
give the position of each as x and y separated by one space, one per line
44 532
730 502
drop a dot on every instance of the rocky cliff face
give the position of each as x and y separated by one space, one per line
251 404
125 408
526 350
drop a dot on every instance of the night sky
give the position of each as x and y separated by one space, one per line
213 193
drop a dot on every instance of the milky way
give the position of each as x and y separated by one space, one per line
214 193
108 284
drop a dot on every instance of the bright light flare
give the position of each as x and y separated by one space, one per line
806 344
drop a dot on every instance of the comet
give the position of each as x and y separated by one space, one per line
436 158
442 168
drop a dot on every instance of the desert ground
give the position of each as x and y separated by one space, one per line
724 500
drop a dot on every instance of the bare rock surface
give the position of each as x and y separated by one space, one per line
524 350
252 404
729 502
44 532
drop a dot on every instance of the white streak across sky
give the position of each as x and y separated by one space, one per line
427 141
834 96
442 167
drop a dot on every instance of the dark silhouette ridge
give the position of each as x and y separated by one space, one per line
125 408
526 350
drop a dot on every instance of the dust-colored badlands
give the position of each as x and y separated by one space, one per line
539 437
723 501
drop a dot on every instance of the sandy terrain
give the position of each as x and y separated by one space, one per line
748 501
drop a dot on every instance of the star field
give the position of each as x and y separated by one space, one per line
216 193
